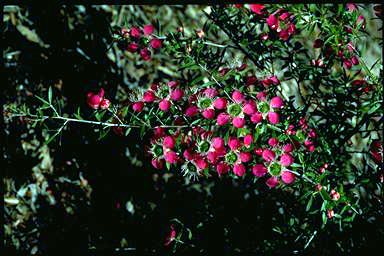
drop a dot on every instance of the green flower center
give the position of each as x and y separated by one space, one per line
205 103
158 150
275 169
234 109
204 146
191 167
231 157
263 107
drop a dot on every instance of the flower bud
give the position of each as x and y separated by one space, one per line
238 122
138 106
148 29
156 43
239 169
272 182
223 119
259 170
208 113
273 117
220 103
165 105
287 177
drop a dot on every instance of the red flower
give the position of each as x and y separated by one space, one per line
149 96
273 117
135 32
248 140
220 103
276 102
273 142
138 106
249 108
284 35
288 148
268 155
171 237
273 22
222 168
201 164
238 122
256 8
94 100
104 104
210 93
272 182
156 43
145 54
164 105
257 117
177 94
169 142
259 170
245 157
234 143
171 157
287 177
132 47
157 163
239 169
208 113
223 118
286 160
191 111
355 60
237 96
217 143
148 29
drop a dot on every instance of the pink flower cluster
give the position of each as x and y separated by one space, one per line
282 24
142 40
97 101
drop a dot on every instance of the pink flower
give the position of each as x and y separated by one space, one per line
177 94
135 32
148 29
138 106
94 100
171 157
256 8
355 60
217 143
169 142
220 103
234 143
287 177
149 96
351 7
239 169
258 151
312 134
238 122
212 157
291 28
171 237
188 155
259 170
272 22
286 160
273 117
222 168
347 64
318 187
164 105
237 96
257 117
287 148
251 80
208 113
201 164
104 104
159 132
191 111
261 96
284 16
273 142
157 163
361 21
330 213
268 155
156 43
145 54
132 47
210 93
173 84
245 157
248 140
223 118
274 80
242 67
311 148
272 182
276 102
284 35
249 108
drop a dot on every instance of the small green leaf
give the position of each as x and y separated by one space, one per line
309 204
324 216
128 131
50 95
